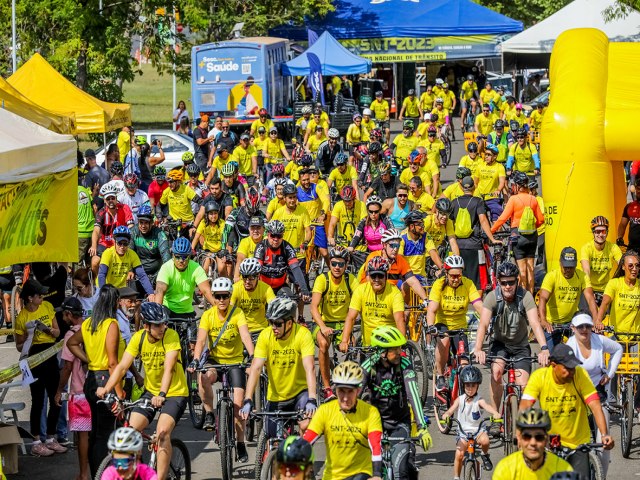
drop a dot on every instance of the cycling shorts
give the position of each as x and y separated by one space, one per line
512 351
237 376
294 404
320 238
173 406
422 279
100 250
526 245
185 316
455 339
334 325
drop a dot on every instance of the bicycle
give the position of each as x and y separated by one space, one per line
180 463
267 448
171 228
595 465
447 139
336 338
511 395
422 348
387 449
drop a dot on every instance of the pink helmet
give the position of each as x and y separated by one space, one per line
518 106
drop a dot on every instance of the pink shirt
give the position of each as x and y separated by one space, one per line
77 372
143 472
373 236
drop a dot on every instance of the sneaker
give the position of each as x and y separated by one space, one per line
328 394
243 455
486 462
10 338
441 383
53 445
40 450
209 422
64 441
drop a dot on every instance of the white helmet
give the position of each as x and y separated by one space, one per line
439 100
334 133
374 199
347 373
391 234
366 111
453 261
125 440
250 266
439 81
222 284
306 109
111 188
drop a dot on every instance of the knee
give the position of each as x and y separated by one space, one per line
323 345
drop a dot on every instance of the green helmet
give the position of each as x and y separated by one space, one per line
187 157
141 140
160 171
387 337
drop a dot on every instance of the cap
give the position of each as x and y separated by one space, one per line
273 129
222 147
563 355
204 118
262 130
467 182
411 92
71 304
569 257
378 93
582 319
319 127
245 136
127 292
256 222
89 153
32 287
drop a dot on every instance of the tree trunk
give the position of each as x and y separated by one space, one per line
81 74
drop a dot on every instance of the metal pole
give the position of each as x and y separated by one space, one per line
14 56
173 31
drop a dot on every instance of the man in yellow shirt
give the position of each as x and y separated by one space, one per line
251 295
296 220
314 122
410 108
427 99
489 96
343 175
523 155
484 121
421 199
415 170
246 156
436 152
599 258
263 121
448 97
176 200
347 213
315 140
536 117
380 108
404 143
468 90
247 246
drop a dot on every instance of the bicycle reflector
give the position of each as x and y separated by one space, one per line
461 347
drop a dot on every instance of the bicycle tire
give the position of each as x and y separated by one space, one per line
13 307
267 467
626 417
227 446
429 353
104 464
420 367
180 464
447 148
194 402
595 466
261 453
471 470
439 407
510 418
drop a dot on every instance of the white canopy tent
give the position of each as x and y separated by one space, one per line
532 48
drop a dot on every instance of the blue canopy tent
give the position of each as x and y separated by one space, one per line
335 59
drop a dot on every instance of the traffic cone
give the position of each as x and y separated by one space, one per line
393 105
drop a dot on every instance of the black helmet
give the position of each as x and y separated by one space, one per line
508 269
472 147
499 124
212 206
375 147
520 132
520 178
289 189
193 170
295 450
154 313
514 125
117 168
443 205
470 374
533 184
415 216
462 172
534 417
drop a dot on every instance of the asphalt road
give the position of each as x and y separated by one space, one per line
205 455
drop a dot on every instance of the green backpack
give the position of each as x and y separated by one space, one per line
527 221
463 227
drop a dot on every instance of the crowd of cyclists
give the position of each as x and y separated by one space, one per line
364 233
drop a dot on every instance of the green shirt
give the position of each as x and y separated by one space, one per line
180 285
86 219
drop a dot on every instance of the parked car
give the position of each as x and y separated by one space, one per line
174 144
542 98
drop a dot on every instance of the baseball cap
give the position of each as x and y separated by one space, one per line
127 292
582 319
563 355
71 304
245 136
222 147
31 288
256 222
204 118
569 257
378 93
89 152
467 182
273 129
411 92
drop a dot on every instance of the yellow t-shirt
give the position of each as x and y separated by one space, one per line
348 219
124 144
407 175
45 313
489 178
404 146
625 305
523 157
466 90
179 202
442 116
229 348
438 232
346 438
314 142
380 109
357 134
471 163
292 171
273 205
370 125
485 123
427 100
453 303
453 191
514 467
521 119
447 99
565 403
253 304
311 126
602 263
424 202
260 144
244 158
507 109
258 123
565 294
274 150
287 377
343 179
433 151
119 266
94 343
335 303
410 107
247 247
417 261
212 234
376 309
422 131
152 356
540 201
535 119
295 224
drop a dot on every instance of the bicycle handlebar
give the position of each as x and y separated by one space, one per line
110 399
279 414
468 435
511 360
222 366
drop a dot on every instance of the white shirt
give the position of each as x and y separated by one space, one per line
134 201
469 414
594 365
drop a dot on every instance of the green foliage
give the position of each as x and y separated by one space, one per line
528 12
621 9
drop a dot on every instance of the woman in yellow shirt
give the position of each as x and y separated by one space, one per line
356 134
622 294
103 348
314 141
209 237
36 330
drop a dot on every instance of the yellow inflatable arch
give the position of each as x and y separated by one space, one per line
590 127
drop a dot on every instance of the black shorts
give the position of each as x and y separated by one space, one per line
7 282
237 376
512 351
173 406
292 405
526 246
185 316
455 339
100 250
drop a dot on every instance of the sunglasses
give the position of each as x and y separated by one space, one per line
540 437
431 134
224 126
222 296
337 264
454 276
182 258
273 133
584 326
377 276
277 324
250 277
275 236
123 244
122 463
521 137
633 266
508 283
402 195
394 245
373 211
601 231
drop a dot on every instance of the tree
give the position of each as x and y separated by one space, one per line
529 12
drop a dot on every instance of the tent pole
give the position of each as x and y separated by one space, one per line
104 144
395 85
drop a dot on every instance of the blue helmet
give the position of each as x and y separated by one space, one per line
153 313
145 212
121 232
181 246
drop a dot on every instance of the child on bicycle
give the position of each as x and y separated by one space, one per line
209 237
468 408
125 445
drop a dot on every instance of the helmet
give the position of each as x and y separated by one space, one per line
470 77
415 216
520 132
434 117
375 147
140 140
514 125
472 147
453 261
154 313
306 110
222 284
391 234
432 131
334 133
375 133
290 190
384 168
357 116
520 178
470 374
278 169
443 205
462 172
181 246
275 227
131 180
176 175
534 418
318 109
110 189
566 476
212 206
122 232
347 373
280 181
508 269
125 440
250 266
193 170
439 100
374 199
492 148
262 112
366 112
306 160
378 264
252 202
295 450
339 252
282 308
439 81
340 159
518 106
187 157
407 124
117 168
348 193
415 157
229 169
599 221
145 212
387 336
498 124
159 171
533 184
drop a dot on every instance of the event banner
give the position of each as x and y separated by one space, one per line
391 50
39 219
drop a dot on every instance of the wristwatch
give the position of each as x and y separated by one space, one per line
544 347
162 394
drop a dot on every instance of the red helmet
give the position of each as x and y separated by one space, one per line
375 133
347 193
252 202
278 169
262 111
378 264
130 180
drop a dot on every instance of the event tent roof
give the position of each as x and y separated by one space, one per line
335 59
12 100
43 85
400 18
532 48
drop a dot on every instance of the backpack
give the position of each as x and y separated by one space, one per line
328 285
498 312
463 226
527 221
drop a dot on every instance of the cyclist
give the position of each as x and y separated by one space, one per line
247 246
468 90
427 99
421 199
252 295
391 386
150 243
263 121
176 200
455 190
132 196
223 333
444 119
492 180
314 197
125 445
330 299
485 121
347 213
195 184
599 258
560 296
489 96
532 461
275 151
410 108
315 140
565 390
319 118
415 169
296 221
302 122
415 245
429 150
277 176
523 155
231 185
287 351
209 237
449 300
472 160
381 110
371 228
158 185
342 175
533 188
622 294
294 459
384 186
377 301
329 150
501 140
178 279
237 224
165 383
519 117
535 119
352 428
395 209
440 227
356 134
512 311
524 214
371 162
216 193
468 408
404 143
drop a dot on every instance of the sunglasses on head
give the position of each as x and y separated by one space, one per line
122 463
377 276
540 437
222 296
508 283
337 264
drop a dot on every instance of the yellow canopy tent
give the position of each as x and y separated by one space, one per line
43 85
11 99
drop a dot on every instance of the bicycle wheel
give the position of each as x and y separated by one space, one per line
268 472
15 308
596 472
429 353
441 404
196 410
626 416
227 446
447 147
261 453
471 470
104 464
180 464
510 417
416 355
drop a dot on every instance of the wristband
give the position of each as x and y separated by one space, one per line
544 347
162 394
